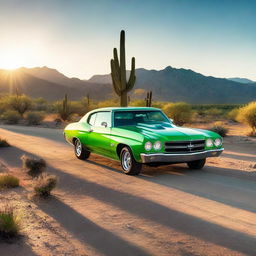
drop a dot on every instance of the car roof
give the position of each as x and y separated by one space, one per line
125 109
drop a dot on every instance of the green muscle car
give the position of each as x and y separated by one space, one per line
140 135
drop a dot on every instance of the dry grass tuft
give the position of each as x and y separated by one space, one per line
4 143
33 166
8 181
45 184
219 128
9 222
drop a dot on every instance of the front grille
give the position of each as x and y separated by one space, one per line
184 146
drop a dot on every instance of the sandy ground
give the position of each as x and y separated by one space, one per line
97 210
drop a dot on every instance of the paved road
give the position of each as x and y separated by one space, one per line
165 211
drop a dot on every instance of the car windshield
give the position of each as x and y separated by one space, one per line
127 118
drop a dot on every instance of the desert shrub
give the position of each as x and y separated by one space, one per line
45 183
20 103
214 112
66 108
33 166
9 222
41 104
109 103
8 181
35 117
137 103
4 143
247 115
232 115
10 117
180 112
219 128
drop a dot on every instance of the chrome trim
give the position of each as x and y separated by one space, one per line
179 158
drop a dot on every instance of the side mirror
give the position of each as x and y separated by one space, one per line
104 124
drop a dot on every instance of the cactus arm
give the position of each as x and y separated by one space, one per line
132 78
115 80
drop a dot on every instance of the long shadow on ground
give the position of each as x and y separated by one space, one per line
143 208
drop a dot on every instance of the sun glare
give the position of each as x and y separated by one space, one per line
14 58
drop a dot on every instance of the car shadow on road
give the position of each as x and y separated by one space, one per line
137 206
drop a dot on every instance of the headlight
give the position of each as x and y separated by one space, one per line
209 143
218 142
157 145
148 145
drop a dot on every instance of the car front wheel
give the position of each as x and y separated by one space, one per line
197 164
80 151
128 163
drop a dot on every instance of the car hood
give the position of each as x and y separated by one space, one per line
168 132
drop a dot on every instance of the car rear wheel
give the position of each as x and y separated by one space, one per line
197 164
128 163
80 151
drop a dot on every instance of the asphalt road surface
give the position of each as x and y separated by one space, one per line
168 210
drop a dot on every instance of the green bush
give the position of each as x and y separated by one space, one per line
19 103
10 117
220 129
180 112
247 115
4 143
8 181
45 184
33 166
35 117
9 222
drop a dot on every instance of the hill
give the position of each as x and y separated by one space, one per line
171 84
52 87
241 80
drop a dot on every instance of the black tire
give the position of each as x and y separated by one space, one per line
197 164
80 151
128 163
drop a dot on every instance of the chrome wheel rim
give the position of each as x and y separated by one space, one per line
78 148
126 161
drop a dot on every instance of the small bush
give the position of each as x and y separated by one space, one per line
11 117
8 181
220 129
33 166
35 117
9 222
180 112
232 115
4 143
247 115
19 103
45 184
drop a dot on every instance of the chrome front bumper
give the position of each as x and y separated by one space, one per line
179 158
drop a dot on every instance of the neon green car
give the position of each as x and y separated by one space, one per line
137 135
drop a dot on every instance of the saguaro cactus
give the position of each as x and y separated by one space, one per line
118 73
148 99
64 110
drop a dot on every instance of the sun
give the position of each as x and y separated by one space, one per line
14 58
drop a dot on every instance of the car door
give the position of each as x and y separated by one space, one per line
99 136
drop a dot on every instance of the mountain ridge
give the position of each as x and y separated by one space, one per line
168 84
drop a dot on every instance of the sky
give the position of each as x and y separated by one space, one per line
76 37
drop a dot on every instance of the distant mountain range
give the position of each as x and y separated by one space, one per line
169 84
241 80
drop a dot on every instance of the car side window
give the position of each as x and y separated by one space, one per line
103 117
91 119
